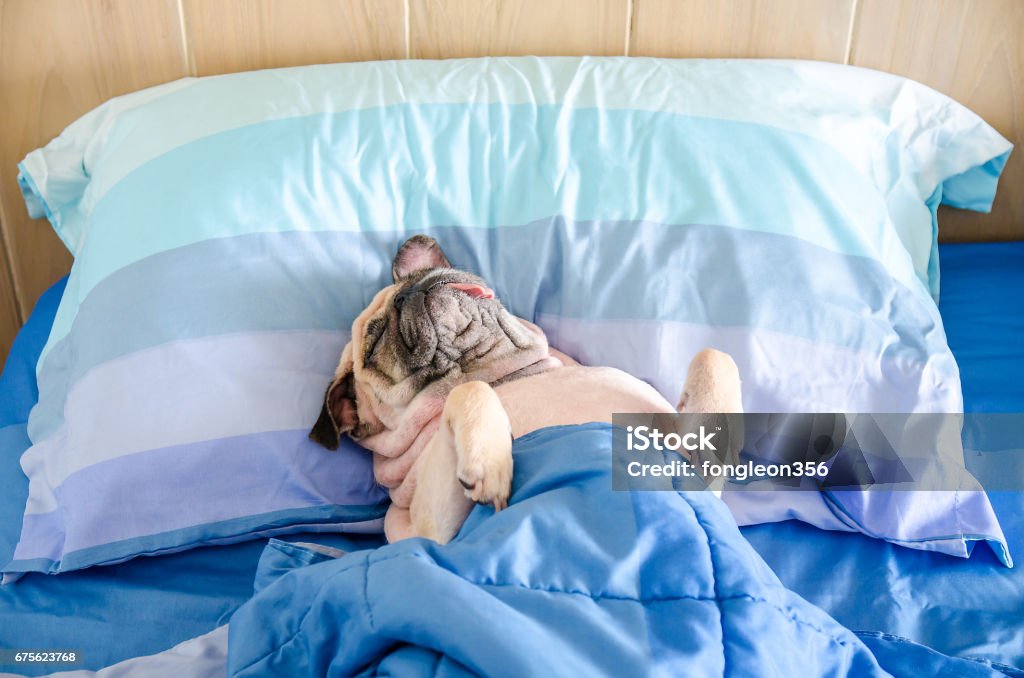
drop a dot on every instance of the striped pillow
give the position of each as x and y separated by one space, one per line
226 231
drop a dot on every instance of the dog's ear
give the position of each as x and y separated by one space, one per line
418 253
338 415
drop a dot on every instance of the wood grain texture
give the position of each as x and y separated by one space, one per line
794 29
226 36
58 60
446 29
972 50
10 316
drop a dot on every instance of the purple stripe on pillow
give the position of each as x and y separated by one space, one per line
781 372
181 486
42 536
184 392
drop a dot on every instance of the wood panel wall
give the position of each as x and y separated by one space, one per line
60 58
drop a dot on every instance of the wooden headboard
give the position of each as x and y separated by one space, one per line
60 58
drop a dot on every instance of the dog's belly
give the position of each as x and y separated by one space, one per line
565 395
575 395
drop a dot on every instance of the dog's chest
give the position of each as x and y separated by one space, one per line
391 465
396 449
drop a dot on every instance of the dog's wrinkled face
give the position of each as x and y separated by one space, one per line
434 327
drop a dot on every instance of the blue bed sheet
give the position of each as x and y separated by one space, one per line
967 608
982 305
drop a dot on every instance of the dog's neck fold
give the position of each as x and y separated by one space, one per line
526 353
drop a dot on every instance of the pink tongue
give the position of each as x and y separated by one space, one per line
475 291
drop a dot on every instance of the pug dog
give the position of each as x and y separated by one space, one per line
439 379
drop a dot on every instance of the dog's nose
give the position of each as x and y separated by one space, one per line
401 298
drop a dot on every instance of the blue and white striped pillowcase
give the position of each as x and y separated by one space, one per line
244 238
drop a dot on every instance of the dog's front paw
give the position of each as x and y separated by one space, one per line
483 443
485 470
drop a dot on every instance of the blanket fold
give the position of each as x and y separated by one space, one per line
572 579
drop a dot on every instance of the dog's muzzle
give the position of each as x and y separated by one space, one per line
416 307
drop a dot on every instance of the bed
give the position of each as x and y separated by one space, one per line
886 593
169 530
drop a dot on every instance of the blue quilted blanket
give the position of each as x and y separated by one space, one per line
571 579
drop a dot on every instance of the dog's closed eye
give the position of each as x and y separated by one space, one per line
372 342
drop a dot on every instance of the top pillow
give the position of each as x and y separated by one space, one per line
227 230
